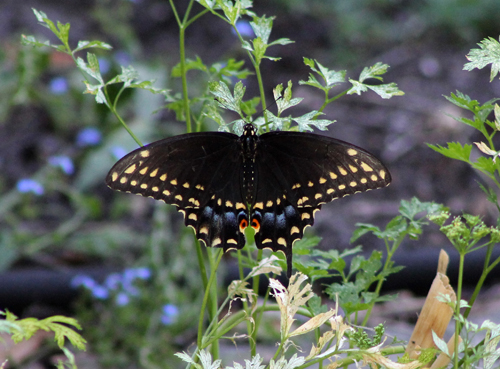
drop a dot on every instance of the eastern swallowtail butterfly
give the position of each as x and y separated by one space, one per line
223 183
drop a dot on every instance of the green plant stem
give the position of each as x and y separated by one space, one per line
261 88
240 316
280 347
194 18
487 268
183 25
206 296
252 329
201 262
490 139
245 301
215 325
256 65
209 331
185 95
253 333
240 265
488 174
111 106
328 101
496 181
457 308
256 279
345 362
260 313
246 308
390 253
129 131
317 336
215 256
157 257
114 110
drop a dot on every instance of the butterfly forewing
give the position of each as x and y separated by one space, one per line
199 173
319 169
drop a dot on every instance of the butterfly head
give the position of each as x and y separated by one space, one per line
249 130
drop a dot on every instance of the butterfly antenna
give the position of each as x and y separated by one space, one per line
270 106
266 109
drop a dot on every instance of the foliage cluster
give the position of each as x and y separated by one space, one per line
163 302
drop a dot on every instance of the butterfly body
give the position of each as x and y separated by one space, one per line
223 183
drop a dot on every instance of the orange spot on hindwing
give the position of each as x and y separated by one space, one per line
256 221
243 224
255 225
242 221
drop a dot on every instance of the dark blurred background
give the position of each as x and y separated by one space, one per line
59 220
43 114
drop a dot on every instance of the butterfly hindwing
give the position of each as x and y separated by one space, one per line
217 224
278 225
199 173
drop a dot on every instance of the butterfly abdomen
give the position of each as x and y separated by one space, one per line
249 142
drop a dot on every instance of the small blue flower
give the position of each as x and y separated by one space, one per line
89 136
130 289
118 152
58 85
100 292
104 65
122 299
63 162
143 273
27 185
170 313
113 281
244 28
129 275
83 280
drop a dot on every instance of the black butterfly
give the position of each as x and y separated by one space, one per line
274 182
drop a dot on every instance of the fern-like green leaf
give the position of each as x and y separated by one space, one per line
455 150
488 53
